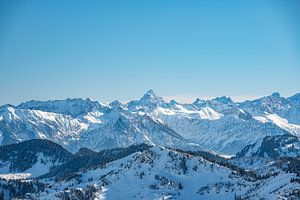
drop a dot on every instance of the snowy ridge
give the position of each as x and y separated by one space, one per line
73 107
218 124
159 173
22 124
140 172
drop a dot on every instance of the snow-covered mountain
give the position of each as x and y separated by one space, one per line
34 157
18 125
218 124
73 107
287 109
273 147
159 173
139 172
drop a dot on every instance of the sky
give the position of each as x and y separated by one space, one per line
119 49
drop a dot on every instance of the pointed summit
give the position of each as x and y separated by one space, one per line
150 97
150 94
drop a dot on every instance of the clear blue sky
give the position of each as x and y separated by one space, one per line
108 50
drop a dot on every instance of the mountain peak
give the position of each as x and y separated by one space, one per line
275 94
150 96
224 99
150 93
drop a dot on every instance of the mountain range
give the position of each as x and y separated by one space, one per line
208 149
219 124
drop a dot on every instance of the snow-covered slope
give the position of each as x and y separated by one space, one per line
160 173
18 125
46 171
33 157
128 129
227 135
287 108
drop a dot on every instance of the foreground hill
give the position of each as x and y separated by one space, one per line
139 172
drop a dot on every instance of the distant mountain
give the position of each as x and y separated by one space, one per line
273 147
73 107
286 108
18 125
219 124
